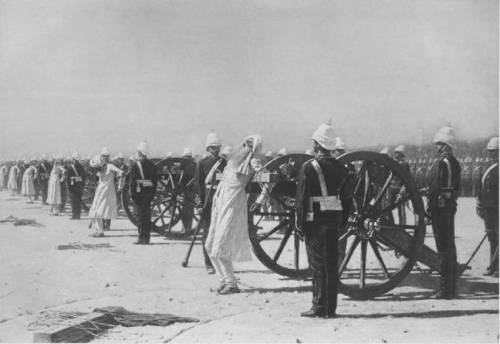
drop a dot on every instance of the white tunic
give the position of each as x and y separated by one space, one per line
28 185
104 205
3 176
228 234
13 174
54 188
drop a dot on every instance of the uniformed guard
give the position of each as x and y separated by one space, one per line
207 171
487 204
75 182
320 191
43 174
142 185
444 185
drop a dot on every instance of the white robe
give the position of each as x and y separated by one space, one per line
228 234
54 188
28 185
13 174
104 205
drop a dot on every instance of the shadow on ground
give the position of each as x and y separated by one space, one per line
430 314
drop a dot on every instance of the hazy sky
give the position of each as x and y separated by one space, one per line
80 74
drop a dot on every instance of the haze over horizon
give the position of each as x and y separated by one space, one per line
82 74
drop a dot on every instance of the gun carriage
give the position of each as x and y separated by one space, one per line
174 198
384 223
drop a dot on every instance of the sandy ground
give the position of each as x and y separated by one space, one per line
36 276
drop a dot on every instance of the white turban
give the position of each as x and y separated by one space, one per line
493 144
384 150
105 151
75 155
325 136
400 149
444 135
95 161
282 151
255 142
213 140
143 148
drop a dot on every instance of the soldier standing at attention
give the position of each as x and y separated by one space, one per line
444 185
487 204
75 182
44 169
142 185
320 191
206 183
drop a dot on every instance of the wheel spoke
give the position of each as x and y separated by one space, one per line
258 222
379 258
282 244
362 272
393 206
272 231
367 187
348 255
162 212
297 246
383 226
375 202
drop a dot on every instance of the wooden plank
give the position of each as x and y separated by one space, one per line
81 329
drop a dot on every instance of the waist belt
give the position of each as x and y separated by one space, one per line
144 182
326 202
76 179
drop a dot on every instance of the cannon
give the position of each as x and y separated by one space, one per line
382 236
174 199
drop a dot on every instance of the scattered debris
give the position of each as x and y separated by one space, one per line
81 246
21 222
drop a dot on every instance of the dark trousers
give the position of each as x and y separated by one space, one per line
321 240
76 204
142 212
64 196
491 224
205 225
187 212
43 190
443 226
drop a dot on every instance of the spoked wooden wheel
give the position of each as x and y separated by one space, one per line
174 199
274 237
90 184
385 230
178 198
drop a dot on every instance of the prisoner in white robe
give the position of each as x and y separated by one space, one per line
54 188
13 175
4 175
228 239
28 184
104 204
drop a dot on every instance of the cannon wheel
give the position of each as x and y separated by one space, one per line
380 241
174 197
275 240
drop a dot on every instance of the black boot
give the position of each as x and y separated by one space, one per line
314 313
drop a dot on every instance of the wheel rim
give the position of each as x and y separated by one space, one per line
274 237
382 238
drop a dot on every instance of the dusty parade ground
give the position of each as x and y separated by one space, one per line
111 271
